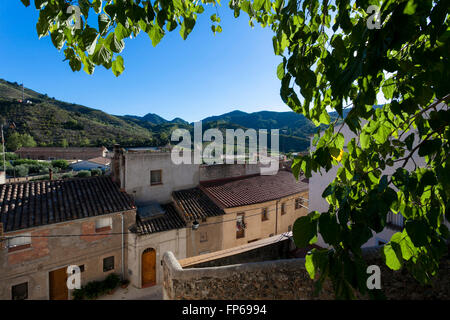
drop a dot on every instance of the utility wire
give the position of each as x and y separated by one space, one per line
124 233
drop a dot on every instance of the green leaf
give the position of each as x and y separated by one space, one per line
97 4
186 27
410 8
392 260
428 147
258 4
114 43
155 34
103 23
388 88
328 228
409 141
280 71
417 231
26 3
117 66
304 230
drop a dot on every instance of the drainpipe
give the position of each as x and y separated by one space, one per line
276 217
123 262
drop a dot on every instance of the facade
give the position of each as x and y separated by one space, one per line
236 211
53 153
47 226
149 240
150 175
94 163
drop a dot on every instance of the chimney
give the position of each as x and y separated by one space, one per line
115 164
50 174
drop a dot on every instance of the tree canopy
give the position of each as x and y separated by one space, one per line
334 55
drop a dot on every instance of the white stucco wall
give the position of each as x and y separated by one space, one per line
172 240
174 177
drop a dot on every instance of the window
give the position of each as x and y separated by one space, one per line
203 236
240 226
19 242
155 177
103 224
108 264
203 219
264 215
298 203
290 228
19 291
283 208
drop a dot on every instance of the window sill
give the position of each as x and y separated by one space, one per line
103 229
19 248
156 184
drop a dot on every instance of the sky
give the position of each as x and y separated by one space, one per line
192 79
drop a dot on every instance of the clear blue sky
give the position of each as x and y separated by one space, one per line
202 76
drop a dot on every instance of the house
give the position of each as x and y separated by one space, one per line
159 228
239 210
47 226
150 175
101 163
69 153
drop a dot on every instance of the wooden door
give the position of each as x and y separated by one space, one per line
148 267
58 284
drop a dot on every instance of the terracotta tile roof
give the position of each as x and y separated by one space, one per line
195 204
100 160
229 193
35 203
168 221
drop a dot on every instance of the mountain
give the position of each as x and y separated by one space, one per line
52 123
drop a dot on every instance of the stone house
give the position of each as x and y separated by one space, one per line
47 226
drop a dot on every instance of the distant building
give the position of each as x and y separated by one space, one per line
94 163
53 153
47 226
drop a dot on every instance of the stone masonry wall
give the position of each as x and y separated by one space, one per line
284 279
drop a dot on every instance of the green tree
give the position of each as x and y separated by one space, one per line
334 54
64 143
61 164
17 140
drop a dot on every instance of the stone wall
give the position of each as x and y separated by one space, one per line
285 279
277 250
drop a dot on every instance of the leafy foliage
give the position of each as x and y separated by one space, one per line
331 59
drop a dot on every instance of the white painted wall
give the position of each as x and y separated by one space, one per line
172 240
136 178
